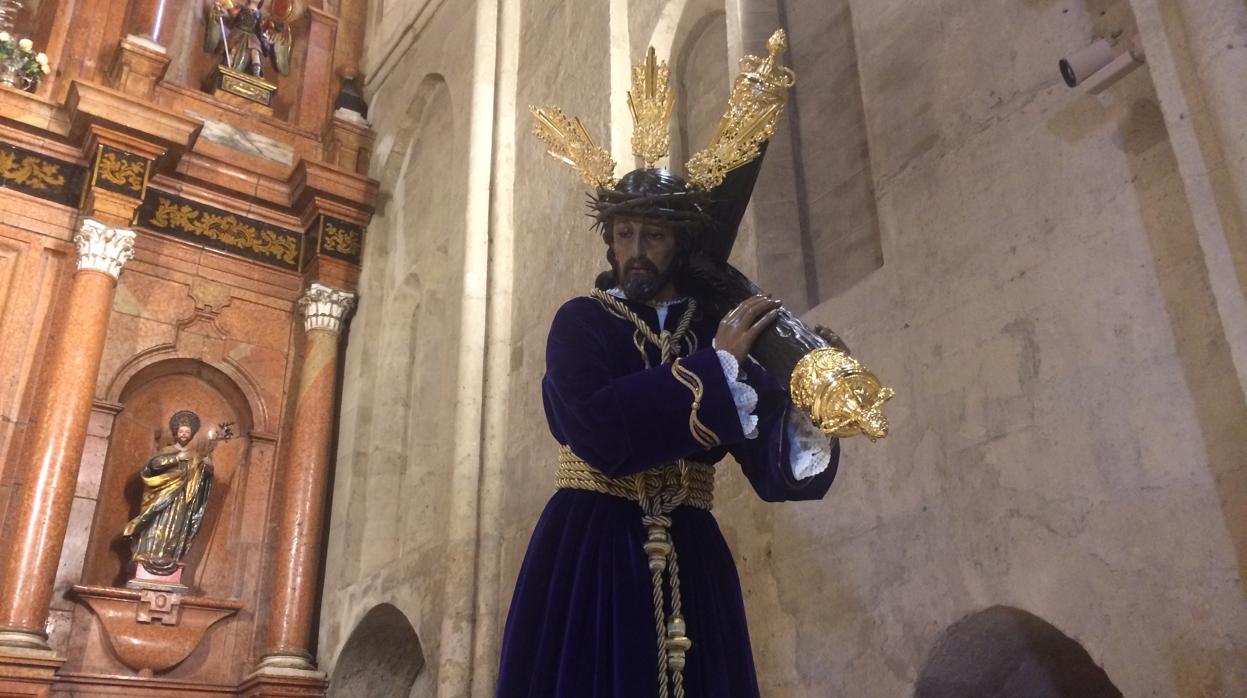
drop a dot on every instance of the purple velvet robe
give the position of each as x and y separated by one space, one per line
581 623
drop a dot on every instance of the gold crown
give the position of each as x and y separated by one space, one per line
759 94
651 103
568 140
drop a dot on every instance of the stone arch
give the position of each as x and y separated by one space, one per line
226 375
399 455
381 658
700 62
677 21
427 125
1005 652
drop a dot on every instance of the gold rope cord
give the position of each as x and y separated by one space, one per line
658 491
668 343
694 480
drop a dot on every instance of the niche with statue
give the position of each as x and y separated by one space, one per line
162 561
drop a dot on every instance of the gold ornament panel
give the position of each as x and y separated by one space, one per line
340 239
41 176
212 227
121 172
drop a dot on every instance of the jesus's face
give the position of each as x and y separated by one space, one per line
643 251
183 435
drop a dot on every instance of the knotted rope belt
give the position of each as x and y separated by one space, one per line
659 491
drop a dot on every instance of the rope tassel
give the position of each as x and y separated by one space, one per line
673 641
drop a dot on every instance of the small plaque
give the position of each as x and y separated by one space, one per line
249 87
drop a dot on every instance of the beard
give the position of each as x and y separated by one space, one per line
641 287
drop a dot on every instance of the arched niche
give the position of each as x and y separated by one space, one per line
421 174
397 484
1005 652
381 658
702 84
147 401
165 358
817 191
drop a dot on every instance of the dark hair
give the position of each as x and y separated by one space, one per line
184 418
659 195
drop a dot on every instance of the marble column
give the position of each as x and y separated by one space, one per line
305 477
146 19
57 435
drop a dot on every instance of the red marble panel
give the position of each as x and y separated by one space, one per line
257 324
33 273
152 297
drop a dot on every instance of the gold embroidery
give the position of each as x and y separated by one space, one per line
703 434
122 172
30 172
225 229
344 240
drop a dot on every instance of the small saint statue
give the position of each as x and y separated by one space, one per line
176 484
247 34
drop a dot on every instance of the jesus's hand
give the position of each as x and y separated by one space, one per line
741 326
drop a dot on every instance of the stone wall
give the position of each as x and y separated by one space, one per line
391 504
1052 281
1046 316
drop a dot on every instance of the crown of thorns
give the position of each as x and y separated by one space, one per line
653 193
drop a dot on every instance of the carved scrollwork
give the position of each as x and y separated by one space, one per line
30 171
226 230
347 241
121 169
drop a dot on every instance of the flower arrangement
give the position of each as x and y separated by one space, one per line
20 65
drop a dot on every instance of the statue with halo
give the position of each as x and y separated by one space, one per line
176 484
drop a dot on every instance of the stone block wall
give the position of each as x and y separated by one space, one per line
1052 281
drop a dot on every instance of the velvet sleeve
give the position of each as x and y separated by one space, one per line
624 422
764 460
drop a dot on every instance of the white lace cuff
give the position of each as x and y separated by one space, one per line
809 449
745 397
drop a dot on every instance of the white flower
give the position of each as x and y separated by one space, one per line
26 44
42 59
46 68
4 36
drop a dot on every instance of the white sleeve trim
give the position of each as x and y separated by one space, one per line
745 397
809 449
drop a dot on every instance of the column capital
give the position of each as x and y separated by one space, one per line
102 247
325 307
